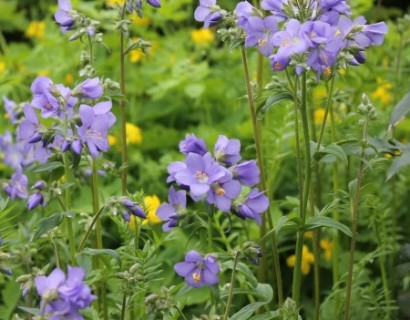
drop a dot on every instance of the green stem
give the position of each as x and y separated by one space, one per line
210 234
123 306
228 304
306 189
262 184
180 312
328 106
355 211
87 233
316 254
336 215
56 255
68 221
136 236
123 111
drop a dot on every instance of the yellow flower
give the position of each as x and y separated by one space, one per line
327 246
2 66
36 30
151 203
138 21
112 140
319 115
136 56
309 235
43 73
382 93
307 260
202 36
134 135
112 3
69 79
319 94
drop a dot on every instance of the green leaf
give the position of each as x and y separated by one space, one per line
267 316
97 252
262 290
399 163
47 224
317 222
400 111
243 268
50 166
33 311
274 99
332 149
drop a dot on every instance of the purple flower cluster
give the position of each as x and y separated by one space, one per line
198 271
62 297
60 104
217 178
308 35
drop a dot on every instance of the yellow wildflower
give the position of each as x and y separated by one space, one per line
136 56
307 260
308 235
138 21
69 79
319 115
112 140
202 36
151 203
112 3
2 66
36 30
382 93
43 73
134 135
327 246
319 94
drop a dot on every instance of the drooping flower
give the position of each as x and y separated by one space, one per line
170 212
192 144
154 3
252 207
243 11
198 271
227 150
132 208
89 88
63 15
35 200
207 11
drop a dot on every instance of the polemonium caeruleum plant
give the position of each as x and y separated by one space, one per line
297 37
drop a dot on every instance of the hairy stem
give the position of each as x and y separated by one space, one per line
123 111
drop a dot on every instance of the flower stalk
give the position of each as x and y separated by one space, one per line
262 184
230 296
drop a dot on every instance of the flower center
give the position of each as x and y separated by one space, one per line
196 276
285 42
201 176
262 42
219 191
94 135
277 66
328 71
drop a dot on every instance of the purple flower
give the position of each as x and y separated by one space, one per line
95 123
35 200
200 173
132 208
17 187
11 109
191 144
275 7
244 10
170 212
43 98
15 155
254 205
64 297
375 32
339 6
227 150
63 15
29 129
198 271
259 33
223 191
154 3
173 168
90 88
247 173
207 12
